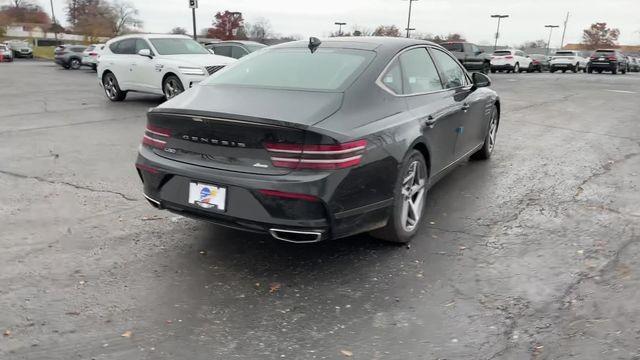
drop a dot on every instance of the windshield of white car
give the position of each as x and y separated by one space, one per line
326 69
178 46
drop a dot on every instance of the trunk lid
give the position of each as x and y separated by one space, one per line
233 136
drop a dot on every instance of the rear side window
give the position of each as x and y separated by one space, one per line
90 48
123 47
77 49
327 69
419 72
453 74
393 78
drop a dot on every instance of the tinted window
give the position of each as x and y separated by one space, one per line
178 46
393 78
502 52
453 74
238 52
222 50
78 48
475 49
90 48
326 70
419 73
455 47
142 44
565 53
126 46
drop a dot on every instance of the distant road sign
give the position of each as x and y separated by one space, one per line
193 4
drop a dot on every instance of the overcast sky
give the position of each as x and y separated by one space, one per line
468 17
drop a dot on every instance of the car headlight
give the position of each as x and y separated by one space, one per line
191 70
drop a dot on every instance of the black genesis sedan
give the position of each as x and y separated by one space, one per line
315 140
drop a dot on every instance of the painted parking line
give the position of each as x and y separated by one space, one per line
621 91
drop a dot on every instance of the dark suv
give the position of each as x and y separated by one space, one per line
470 56
235 49
607 60
69 56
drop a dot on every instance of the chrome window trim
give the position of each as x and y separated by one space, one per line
427 47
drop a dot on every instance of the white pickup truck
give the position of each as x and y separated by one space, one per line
564 60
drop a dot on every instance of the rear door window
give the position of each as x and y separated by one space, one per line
124 47
420 74
222 50
453 75
142 44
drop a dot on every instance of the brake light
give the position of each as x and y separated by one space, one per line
612 58
535 62
93 54
317 157
508 57
155 137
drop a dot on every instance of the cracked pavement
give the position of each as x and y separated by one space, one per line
531 255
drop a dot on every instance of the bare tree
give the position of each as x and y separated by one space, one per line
125 17
259 30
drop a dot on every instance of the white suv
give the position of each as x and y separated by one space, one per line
510 60
565 60
157 64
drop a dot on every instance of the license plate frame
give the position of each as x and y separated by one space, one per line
208 196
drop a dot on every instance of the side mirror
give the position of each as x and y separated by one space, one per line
145 53
480 80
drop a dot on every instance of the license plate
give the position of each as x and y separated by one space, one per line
601 59
561 65
208 196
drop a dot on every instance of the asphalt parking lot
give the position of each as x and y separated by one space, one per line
534 254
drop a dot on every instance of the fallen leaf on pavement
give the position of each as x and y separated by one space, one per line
346 353
7 333
274 287
127 334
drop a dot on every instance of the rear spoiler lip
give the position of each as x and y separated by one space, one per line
245 120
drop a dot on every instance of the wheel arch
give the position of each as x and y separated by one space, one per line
166 75
421 146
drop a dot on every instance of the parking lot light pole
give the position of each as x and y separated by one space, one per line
499 17
409 28
193 4
550 32
340 24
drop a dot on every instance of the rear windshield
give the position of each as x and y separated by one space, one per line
604 52
538 57
90 48
325 70
564 53
502 53
455 47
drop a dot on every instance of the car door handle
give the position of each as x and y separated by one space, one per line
465 107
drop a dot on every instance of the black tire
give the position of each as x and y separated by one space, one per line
516 68
493 71
575 68
490 139
486 68
564 71
614 71
623 71
395 231
172 87
94 67
111 88
590 71
552 70
600 71
75 64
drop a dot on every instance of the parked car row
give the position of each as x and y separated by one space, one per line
19 48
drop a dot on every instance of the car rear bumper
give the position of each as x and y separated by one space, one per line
603 65
166 185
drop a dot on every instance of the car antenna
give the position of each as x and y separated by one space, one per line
314 44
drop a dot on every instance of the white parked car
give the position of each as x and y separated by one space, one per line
510 60
564 60
91 55
157 64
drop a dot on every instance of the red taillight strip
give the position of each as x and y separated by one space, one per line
317 149
288 195
319 157
147 140
318 161
158 131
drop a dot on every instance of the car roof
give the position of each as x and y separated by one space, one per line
150 36
361 43
243 42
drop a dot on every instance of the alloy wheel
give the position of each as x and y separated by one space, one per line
172 88
110 88
413 195
493 131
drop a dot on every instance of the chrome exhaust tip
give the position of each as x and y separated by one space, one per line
295 236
